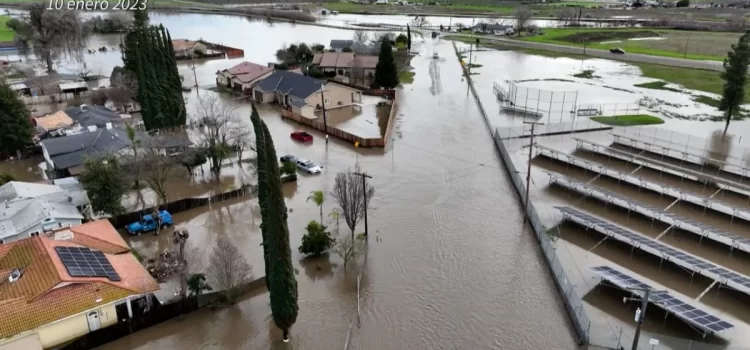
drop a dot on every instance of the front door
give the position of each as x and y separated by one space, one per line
94 321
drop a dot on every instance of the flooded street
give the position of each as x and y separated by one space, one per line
453 269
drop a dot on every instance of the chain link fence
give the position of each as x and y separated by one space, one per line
607 109
554 106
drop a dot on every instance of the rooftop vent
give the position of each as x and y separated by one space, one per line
14 275
63 235
83 108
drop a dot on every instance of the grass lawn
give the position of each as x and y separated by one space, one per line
694 79
672 43
400 9
657 85
586 74
629 120
406 77
6 34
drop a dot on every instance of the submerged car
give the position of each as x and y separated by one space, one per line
617 50
308 166
288 159
148 223
301 136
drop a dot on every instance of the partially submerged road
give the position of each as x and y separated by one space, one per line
631 57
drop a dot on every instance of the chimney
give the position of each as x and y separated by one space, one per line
109 126
92 128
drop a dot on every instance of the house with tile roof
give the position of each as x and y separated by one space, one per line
242 77
302 94
61 285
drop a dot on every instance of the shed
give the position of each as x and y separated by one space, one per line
76 88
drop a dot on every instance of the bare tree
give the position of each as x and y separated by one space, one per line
157 167
50 34
350 196
218 122
361 37
241 141
227 267
522 15
120 19
358 75
123 87
348 247
567 15
419 21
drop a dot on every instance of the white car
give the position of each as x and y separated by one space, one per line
308 166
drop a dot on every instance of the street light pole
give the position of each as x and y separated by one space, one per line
323 103
528 172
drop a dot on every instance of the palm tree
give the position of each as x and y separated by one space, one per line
335 214
318 197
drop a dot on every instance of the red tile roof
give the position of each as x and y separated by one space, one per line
45 292
246 72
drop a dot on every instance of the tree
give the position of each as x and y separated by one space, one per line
335 215
99 97
134 160
103 181
227 267
683 3
350 196
386 73
347 49
522 15
241 140
123 86
157 167
130 44
402 39
16 130
361 37
50 34
262 162
408 37
735 77
347 247
317 240
192 158
282 284
196 284
420 21
5 178
318 197
217 124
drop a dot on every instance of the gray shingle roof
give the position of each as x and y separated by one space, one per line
20 215
290 83
93 115
341 44
70 151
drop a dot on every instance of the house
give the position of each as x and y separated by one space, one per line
76 88
494 29
65 155
53 122
301 94
345 63
29 209
50 84
21 89
61 285
339 45
93 115
188 48
242 77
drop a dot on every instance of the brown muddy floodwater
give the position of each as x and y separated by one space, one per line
453 270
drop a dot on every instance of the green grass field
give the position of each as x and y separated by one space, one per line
629 120
6 34
671 43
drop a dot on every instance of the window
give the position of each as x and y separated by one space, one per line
326 100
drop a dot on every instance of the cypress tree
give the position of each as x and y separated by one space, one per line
260 147
386 73
16 130
408 38
282 283
735 78
130 44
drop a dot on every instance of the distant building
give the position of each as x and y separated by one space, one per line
63 284
242 77
301 94
339 45
188 48
93 115
344 63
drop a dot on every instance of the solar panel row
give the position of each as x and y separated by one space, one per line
658 211
667 251
675 306
84 262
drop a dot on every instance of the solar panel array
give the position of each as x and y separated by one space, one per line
687 312
656 210
84 262
724 275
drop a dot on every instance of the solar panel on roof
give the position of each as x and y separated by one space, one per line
84 262
659 247
688 313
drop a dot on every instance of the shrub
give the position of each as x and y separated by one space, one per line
683 3
347 49
317 240
288 168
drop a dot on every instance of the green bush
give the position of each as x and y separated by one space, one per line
683 3
317 240
288 168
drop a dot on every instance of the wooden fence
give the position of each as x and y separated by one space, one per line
313 123
182 205
231 52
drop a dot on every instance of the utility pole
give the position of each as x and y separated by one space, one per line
528 172
584 46
640 313
323 102
195 77
364 190
687 42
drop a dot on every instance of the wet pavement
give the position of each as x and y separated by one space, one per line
453 270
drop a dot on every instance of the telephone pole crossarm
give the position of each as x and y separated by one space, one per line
364 177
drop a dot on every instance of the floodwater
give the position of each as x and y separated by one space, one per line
454 270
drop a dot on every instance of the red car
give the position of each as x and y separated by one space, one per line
302 136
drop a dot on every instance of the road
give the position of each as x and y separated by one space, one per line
630 57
